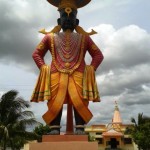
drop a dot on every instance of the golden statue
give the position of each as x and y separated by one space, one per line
67 79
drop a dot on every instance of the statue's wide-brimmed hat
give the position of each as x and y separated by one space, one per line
75 4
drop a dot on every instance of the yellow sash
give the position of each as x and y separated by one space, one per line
90 90
42 89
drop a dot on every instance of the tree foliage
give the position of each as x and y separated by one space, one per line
14 120
41 130
140 132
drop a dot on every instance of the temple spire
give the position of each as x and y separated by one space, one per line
117 116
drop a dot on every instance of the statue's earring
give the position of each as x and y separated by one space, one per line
68 10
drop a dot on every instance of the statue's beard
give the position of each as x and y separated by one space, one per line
67 26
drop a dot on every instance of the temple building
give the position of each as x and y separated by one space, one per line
112 136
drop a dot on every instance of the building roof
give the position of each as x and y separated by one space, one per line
112 132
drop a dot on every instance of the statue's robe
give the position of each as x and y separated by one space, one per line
69 74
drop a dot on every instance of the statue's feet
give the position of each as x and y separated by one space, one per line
79 130
55 130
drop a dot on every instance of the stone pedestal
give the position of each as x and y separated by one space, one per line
64 138
64 142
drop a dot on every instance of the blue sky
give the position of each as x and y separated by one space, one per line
123 36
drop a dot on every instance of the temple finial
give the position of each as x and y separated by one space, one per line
117 116
116 106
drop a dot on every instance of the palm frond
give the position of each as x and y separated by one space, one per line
140 118
133 120
26 114
14 120
10 96
23 104
29 122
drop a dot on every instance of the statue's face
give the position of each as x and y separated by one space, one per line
68 21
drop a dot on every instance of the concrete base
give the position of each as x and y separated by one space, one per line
64 146
64 138
64 142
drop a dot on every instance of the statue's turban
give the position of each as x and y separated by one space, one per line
75 4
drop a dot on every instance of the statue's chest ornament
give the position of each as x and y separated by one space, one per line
67 46
67 51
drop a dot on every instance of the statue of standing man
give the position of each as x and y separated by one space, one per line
67 79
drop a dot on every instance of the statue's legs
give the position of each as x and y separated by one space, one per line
78 118
55 124
79 123
57 120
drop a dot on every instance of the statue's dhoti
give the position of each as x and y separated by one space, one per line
59 88
67 88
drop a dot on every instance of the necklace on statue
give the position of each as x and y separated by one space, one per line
68 46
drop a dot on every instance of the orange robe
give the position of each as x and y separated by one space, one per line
66 81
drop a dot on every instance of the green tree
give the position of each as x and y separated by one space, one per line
41 130
14 120
140 132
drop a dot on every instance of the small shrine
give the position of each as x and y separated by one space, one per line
112 136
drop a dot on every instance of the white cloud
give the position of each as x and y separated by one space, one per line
1 93
124 73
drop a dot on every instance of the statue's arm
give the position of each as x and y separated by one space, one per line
40 51
95 52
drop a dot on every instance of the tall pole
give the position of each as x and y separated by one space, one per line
69 126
